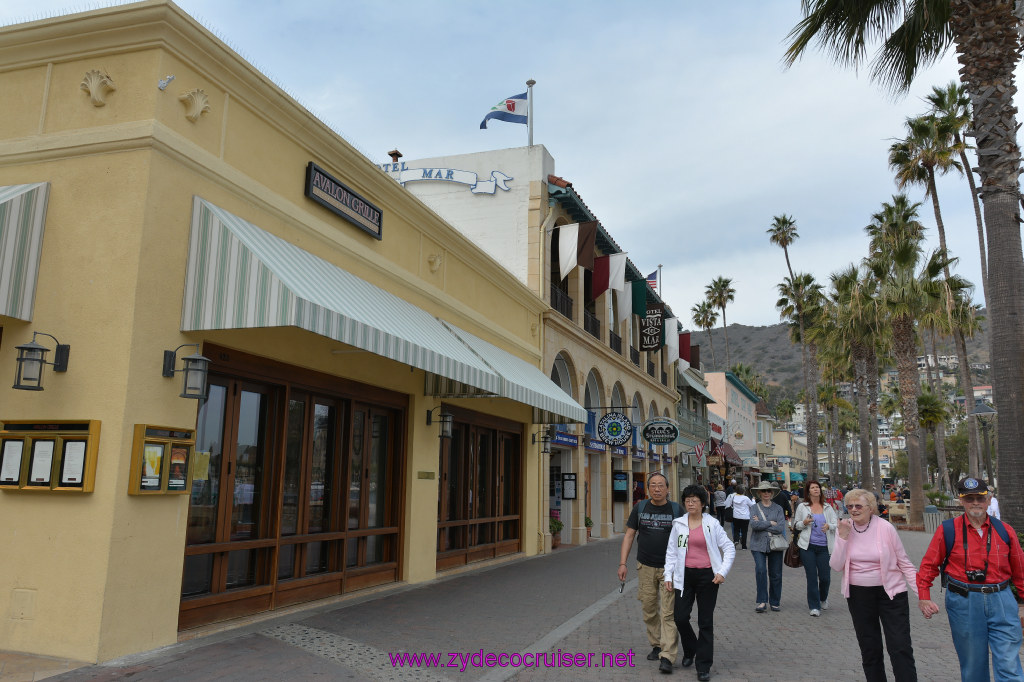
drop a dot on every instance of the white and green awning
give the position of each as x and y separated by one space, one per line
697 386
22 218
242 277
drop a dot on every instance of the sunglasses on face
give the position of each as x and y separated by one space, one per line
855 507
973 498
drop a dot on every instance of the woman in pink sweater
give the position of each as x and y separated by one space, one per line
876 572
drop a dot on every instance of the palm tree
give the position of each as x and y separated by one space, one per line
934 412
783 233
785 410
927 149
985 35
704 316
953 107
751 379
903 293
799 303
719 294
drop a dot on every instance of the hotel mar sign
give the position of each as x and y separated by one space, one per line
330 193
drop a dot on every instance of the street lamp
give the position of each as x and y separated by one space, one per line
984 413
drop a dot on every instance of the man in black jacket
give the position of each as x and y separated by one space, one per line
782 499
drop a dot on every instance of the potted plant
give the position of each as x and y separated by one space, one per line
555 526
589 523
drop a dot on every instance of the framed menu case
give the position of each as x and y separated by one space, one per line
162 460
54 456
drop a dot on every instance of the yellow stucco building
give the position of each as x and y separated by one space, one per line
342 320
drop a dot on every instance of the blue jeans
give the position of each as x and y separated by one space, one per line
980 622
768 571
819 574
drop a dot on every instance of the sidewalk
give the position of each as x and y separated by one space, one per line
566 601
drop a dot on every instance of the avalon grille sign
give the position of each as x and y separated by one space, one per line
330 193
660 431
615 428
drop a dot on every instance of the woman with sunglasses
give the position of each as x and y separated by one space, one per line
876 571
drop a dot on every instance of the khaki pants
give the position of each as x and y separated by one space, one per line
657 605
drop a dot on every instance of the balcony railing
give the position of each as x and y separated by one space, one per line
650 368
692 423
634 355
592 324
561 301
615 341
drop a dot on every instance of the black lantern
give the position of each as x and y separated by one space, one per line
196 371
444 419
32 357
546 435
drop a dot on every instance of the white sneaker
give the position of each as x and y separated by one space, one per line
815 612
824 605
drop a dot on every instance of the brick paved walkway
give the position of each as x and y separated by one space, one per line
567 601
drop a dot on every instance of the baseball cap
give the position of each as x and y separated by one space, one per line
971 486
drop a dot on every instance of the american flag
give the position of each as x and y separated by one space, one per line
698 450
652 280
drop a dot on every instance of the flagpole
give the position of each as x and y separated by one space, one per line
659 280
529 110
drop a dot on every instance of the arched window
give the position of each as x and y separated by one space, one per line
592 401
561 375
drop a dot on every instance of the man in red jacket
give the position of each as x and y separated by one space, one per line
978 568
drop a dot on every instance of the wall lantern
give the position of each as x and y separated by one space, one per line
444 419
32 357
196 371
545 435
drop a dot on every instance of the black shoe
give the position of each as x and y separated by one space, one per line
653 656
687 661
665 666
703 676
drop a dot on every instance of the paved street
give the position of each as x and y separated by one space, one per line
568 601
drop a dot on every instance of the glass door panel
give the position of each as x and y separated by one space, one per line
202 511
356 470
322 468
378 472
249 466
293 467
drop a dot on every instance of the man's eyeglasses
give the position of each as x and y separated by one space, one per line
855 507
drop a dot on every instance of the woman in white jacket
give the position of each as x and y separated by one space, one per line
698 557
816 523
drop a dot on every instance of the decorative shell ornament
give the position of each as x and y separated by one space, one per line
98 84
196 104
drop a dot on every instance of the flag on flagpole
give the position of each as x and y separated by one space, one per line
625 299
609 273
671 340
511 110
652 280
576 246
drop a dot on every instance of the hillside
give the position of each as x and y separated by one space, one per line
772 355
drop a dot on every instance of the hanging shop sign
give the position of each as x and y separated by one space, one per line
404 174
650 327
568 486
596 445
330 193
615 428
659 431
620 450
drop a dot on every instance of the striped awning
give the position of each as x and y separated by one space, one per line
697 386
524 383
241 277
22 218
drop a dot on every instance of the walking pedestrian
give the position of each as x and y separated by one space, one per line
815 523
876 571
782 499
740 506
993 505
768 519
698 558
720 496
651 522
977 570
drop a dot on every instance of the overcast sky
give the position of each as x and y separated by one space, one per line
675 121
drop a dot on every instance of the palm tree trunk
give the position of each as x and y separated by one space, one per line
840 451
860 369
725 330
905 349
876 464
812 415
988 49
969 172
711 342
